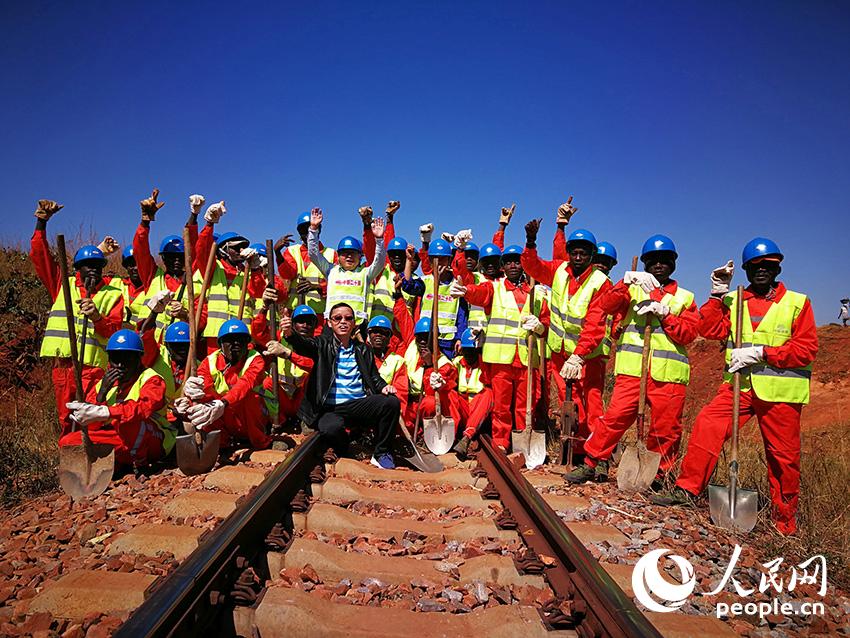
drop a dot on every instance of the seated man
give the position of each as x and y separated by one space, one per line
226 392
390 365
345 388
126 408
474 393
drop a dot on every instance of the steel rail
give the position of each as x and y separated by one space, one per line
188 601
598 606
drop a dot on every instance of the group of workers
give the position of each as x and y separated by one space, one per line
355 350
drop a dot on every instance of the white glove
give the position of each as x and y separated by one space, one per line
721 278
251 256
449 237
462 238
457 289
205 414
182 405
159 301
214 212
194 388
277 349
264 261
425 231
532 324
643 279
85 413
655 307
572 367
436 380
743 357
195 203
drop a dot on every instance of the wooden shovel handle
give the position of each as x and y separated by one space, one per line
644 368
69 314
736 377
205 285
435 332
246 274
272 316
530 348
190 298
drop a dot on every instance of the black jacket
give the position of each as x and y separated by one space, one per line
323 351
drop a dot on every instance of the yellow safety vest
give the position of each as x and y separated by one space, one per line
162 320
158 419
669 361
468 379
56 342
351 287
567 312
219 382
785 385
415 371
162 366
477 317
135 309
223 299
390 367
312 274
505 334
447 311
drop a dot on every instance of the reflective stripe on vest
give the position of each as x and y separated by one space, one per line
56 343
477 316
668 361
163 320
567 312
134 309
504 334
415 371
446 312
157 419
311 273
223 299
289 375
468 379
351 287
390 367
786 385
219 382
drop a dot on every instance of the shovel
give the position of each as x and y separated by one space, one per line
272 317
638 466
246 274
422 460
532 444
196 453
84 470
569 426
439 431
731 507
205 285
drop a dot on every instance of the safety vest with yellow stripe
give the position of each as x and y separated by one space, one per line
157 421
477 317
390 367
446 311
56 342
351 287
568 311
162 366
223 299
314 298
415 371
468 379
669 361
505 334
785 385
158 285
382 294
135 309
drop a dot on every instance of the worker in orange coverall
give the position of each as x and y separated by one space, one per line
474 391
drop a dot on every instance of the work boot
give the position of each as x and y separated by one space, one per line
581 474
461 447
600 472
676 496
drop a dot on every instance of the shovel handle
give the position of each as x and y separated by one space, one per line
736 379
272 315
530 349
205 284
435 331
246 274
69 315
190 298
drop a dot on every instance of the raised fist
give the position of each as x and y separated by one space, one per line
195 203
47 208
150 206
566 211
392 207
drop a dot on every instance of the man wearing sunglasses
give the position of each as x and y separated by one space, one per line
345 388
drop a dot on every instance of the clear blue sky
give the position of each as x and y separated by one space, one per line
710 123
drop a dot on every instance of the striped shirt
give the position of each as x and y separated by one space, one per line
347 384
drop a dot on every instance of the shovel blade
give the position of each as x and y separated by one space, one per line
85 472
424 461
439 434
519 442
720 507
637 469
536 454
192 459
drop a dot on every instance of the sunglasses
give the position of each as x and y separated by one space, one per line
341 318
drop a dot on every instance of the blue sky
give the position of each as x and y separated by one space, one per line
711 123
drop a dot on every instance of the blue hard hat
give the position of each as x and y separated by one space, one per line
260 248
379 321
233 327
607 249
581 234
303 311
171 244
467 339
439 248
423 326
397 243
512 250
125 341
472 247
489 250
127 252
230 236
303 218
658 243
177 332
349 243
87 253
760 247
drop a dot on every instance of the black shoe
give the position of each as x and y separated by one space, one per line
461 447
676 496
581 474
600 472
